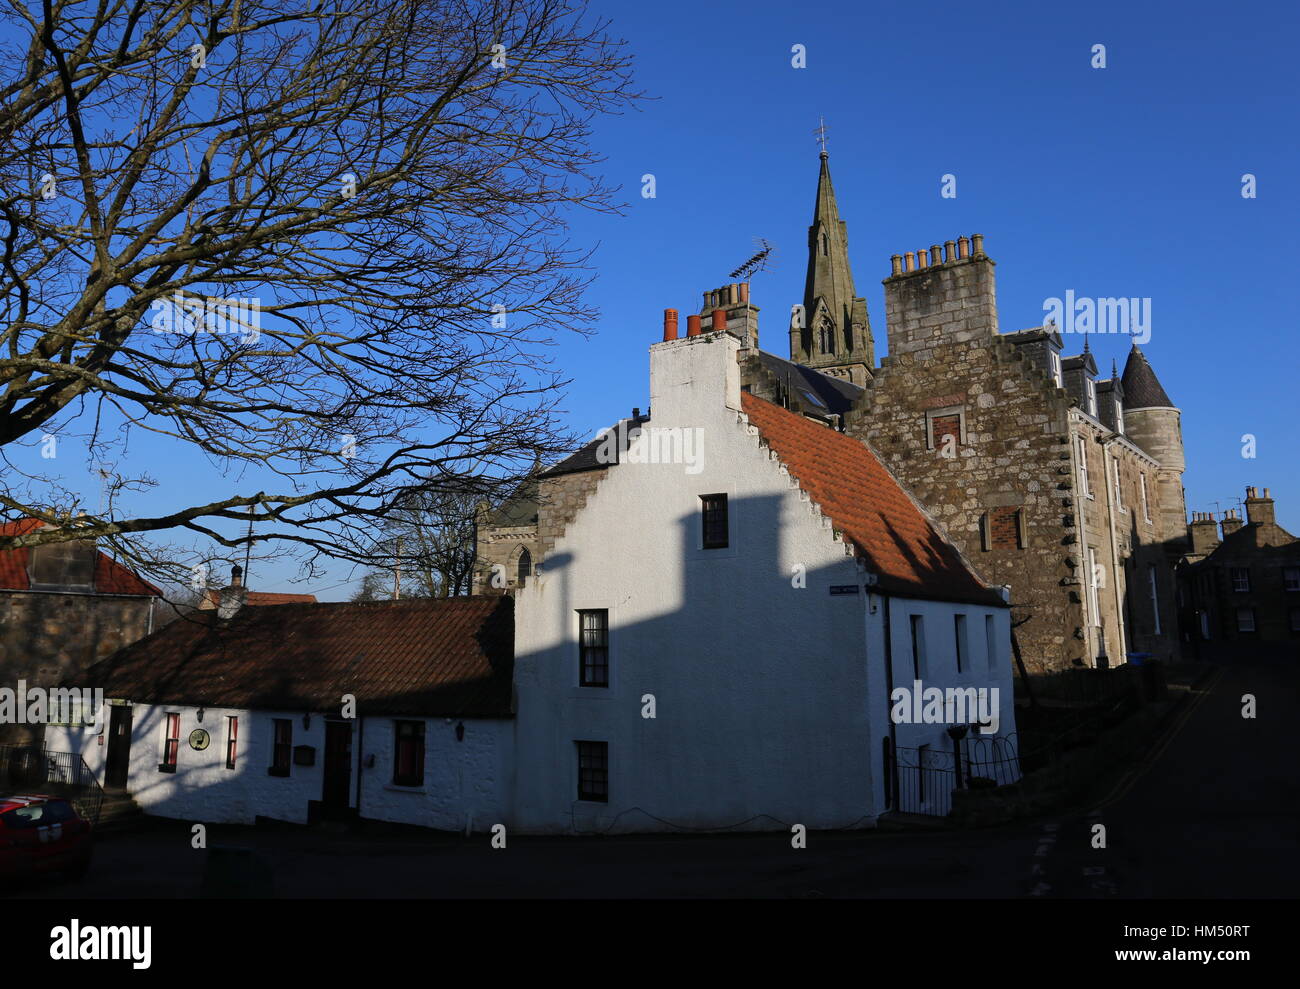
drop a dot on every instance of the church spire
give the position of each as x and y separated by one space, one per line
835 335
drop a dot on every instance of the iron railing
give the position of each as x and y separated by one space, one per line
35 769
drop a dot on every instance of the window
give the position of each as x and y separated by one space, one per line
714 516
281 747
1002 528
1092 397
918 646
1083 468
1094 610
524 566
232 734
1155 597
1245 619
66 564
940 424
959 634
1056 368
1119 416
990 643
826 336
1291 578
408 753
1146 511
171 744
593 648
1119 488
593 771
1240 579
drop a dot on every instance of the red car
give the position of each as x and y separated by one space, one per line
40 834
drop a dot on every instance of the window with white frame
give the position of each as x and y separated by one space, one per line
1245 619
1119 488
1146 510
1083 467
1241 579
1092 397
1094 578
1056 368
1119 416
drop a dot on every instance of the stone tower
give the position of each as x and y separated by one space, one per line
832 333
1153 423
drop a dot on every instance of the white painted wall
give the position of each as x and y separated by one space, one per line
770 699
462 778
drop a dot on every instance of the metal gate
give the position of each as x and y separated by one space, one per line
31 768
921 780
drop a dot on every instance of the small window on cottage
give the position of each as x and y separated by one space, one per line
918 646
408 753
593 771
959 636
593 648
281 747
713 514
1245 619
1241 579
232 737
171 744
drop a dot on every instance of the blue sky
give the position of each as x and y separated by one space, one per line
1122 181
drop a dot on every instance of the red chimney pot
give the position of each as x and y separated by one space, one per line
670 324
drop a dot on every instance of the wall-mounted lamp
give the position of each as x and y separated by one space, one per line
199 714
460 731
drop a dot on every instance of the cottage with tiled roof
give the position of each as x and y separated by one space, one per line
391 710
718 628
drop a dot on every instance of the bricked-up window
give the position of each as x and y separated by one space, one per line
593 771
1002 528
593 648
713 512
1291 578
281 746
408 753
1241 579
171 744
959 635
232 738
1245 619
945 429
1083 468
918 646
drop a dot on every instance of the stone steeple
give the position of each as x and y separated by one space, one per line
833 333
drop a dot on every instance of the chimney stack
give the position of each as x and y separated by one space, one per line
739 316
1259 509
1231 522
234 596
1204 532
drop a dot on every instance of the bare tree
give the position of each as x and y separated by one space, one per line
429 543
324 244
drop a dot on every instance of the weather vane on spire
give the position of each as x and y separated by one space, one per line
820 132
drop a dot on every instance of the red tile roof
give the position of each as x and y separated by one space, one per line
448 658
868 506
111 577
259 599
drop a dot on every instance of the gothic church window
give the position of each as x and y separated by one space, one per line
826 336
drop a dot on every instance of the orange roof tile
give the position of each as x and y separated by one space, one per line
111 577
866 503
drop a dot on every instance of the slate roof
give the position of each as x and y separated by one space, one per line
1142 390
585 458
867 504
519 509
111 577
420 657
835 395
